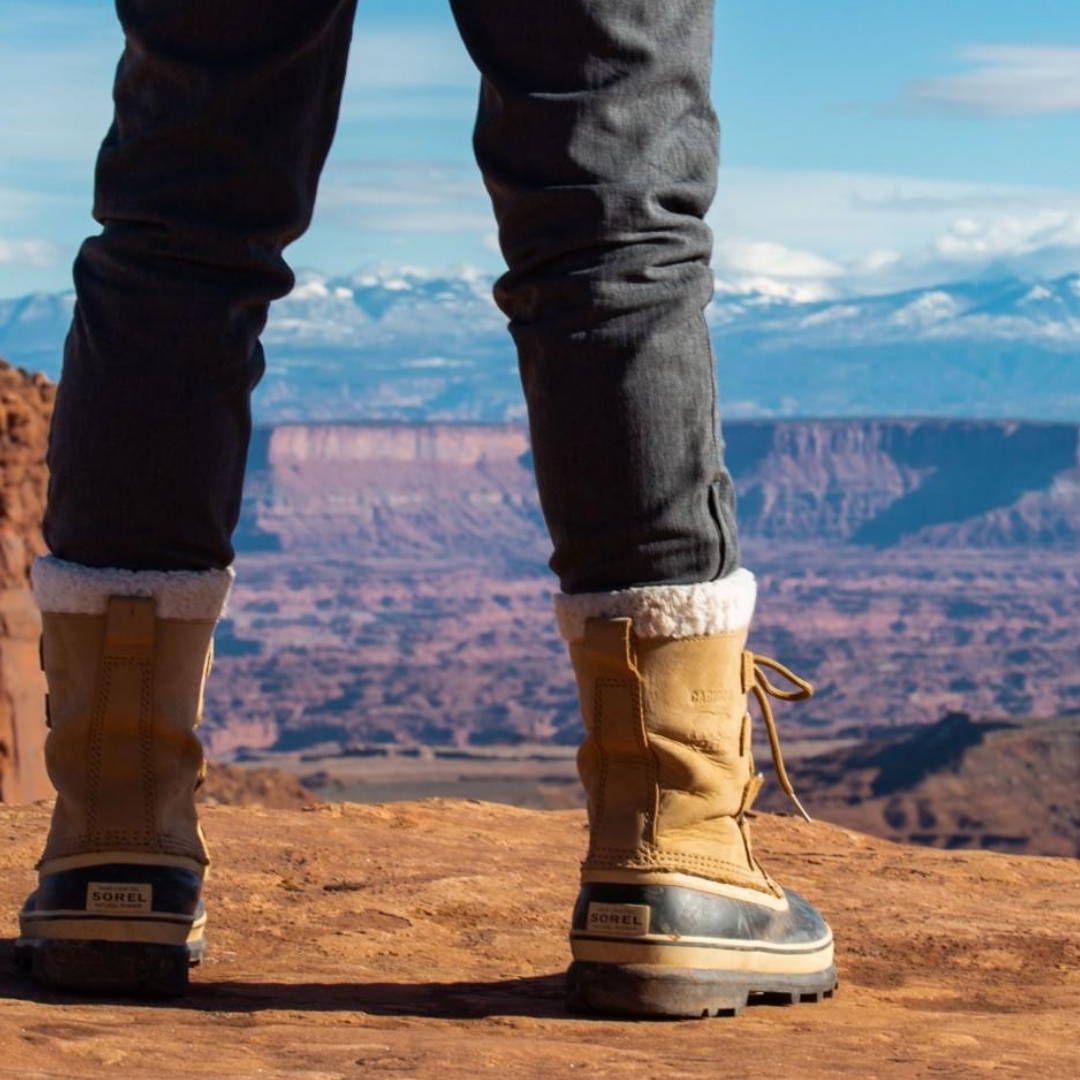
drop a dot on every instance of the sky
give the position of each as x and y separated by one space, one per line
867 146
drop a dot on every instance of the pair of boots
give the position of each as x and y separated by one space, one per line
675 916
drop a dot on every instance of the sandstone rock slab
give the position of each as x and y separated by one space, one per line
428 940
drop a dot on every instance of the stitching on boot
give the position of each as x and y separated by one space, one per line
713 869
657 856
652 764
641 734
101 841
146 750
167 844
601 753
93 750
94 835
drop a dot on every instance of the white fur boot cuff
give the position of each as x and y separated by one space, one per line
67 588
670 611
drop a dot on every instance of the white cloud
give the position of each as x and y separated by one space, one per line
1008 235
37 254
1054 334
1007 80
770 259
838 313
1037 295
873 234
1027 244
1036 244
767 269
766 289
879 229
879 259
800 236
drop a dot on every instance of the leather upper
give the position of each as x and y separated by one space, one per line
125 696
666 761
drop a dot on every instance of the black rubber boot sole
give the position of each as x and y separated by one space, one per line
652 990
114 968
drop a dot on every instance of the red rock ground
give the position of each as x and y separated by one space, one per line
427 940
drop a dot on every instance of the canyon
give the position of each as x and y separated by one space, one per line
392 585
391 635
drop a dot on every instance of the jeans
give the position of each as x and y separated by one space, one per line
598 145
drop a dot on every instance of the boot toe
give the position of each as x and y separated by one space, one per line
670 950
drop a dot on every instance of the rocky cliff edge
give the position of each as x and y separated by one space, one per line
428 940
26 403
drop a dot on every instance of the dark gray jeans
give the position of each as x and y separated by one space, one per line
598 145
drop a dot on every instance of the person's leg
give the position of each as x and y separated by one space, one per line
598 145
224 115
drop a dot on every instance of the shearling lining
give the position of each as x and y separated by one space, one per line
669 611
67 588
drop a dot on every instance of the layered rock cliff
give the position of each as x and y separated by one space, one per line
391 490
874 483
958 483
999 786
26 403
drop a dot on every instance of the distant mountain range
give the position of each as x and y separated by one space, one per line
407 344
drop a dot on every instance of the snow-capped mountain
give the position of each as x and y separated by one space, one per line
1043 312
404 343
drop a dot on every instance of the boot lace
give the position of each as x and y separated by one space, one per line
756 679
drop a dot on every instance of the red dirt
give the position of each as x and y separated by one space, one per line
428 940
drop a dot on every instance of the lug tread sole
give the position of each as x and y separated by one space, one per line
652 990
115 968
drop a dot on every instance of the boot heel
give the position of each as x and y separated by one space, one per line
650 990
116 968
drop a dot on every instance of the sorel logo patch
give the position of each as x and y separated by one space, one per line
627 920
106 896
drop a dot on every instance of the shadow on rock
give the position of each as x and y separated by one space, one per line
535 996
539 996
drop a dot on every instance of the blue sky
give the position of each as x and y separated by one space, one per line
867 145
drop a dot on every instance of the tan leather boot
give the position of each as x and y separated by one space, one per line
676 917
125 655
